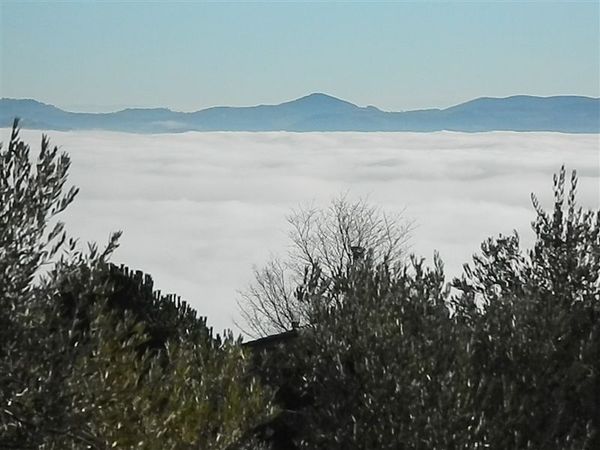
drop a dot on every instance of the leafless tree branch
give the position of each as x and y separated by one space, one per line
327 237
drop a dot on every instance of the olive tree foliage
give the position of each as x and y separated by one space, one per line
534 331
330 238
509 358
189 395
30 196
140 384
382 355
80 366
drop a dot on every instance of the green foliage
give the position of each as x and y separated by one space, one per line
30 374
382 355
29 198
508 359
190 396
534 321
90 355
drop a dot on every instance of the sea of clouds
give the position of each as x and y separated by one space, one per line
198 210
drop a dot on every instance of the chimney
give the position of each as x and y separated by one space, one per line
357 252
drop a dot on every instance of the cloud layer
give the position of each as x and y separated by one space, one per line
199 209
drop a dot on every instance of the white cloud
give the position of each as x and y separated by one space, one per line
199 209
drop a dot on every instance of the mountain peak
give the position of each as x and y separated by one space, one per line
321 102
320 95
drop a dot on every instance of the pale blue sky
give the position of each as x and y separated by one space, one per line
100 56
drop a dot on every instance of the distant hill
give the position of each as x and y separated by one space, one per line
321 112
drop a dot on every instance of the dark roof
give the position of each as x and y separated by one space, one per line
271 340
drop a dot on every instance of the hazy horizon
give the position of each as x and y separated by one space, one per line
283 100
397 56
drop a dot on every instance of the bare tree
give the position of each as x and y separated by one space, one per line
330 237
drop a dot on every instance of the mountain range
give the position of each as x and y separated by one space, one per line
321 112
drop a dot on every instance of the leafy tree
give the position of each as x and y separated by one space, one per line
391 358
328 237
535 331
30 358
382 353
90 355
188 396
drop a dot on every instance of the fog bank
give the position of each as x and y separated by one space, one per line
199 209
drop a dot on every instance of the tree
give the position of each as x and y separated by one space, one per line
381 356
30 197
90 355
329 237
392 358
189 395
154 375
534 321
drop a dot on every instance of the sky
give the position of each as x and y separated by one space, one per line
199 210
105 56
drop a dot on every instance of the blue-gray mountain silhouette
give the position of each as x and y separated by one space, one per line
321 112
